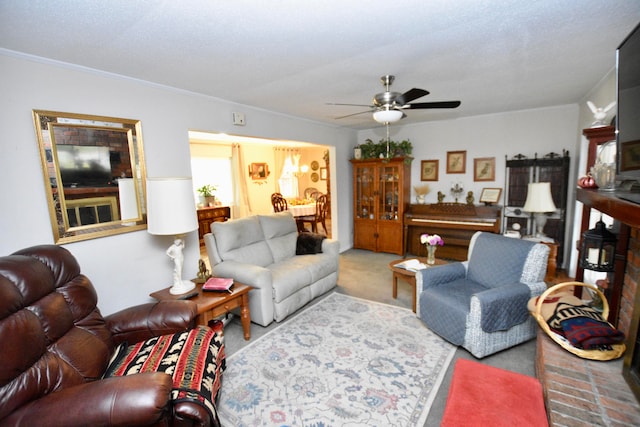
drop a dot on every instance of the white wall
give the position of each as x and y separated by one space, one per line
127 267
308 155
528 132
498 135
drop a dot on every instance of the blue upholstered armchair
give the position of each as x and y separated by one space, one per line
481 304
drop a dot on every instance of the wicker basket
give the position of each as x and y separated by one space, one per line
616 351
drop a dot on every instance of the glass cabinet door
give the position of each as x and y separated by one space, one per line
388 192
381 190
365 192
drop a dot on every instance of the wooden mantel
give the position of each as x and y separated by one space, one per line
608 203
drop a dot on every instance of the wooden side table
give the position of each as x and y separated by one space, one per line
552 262
214 304
408 276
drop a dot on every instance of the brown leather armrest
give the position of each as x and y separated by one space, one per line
192 414
141 322
140 399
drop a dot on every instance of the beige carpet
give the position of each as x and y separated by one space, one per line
366 274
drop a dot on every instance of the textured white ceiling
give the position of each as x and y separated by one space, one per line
294 57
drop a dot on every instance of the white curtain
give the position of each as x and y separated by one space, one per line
279 156
286 166
241 207
288 183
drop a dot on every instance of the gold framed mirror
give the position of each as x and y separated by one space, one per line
94 174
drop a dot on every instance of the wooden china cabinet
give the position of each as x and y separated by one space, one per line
381 191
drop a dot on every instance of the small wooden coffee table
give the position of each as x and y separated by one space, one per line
214 304
408 276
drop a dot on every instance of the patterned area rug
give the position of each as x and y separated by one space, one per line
342 362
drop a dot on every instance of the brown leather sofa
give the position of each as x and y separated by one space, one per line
55 346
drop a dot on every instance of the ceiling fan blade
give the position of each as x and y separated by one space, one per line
351 105
354 114
410 95
441 104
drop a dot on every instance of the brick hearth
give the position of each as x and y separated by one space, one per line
580 392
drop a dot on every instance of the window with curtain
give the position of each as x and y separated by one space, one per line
215 171
288 182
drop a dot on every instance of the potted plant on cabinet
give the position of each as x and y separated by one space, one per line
207 193
372 150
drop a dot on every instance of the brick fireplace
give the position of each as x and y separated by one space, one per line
580 392
623 298
629 320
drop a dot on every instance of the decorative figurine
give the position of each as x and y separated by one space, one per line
470 198
175 253
600 114
203 273
440 196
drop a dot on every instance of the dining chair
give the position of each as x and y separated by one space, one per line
275 196
322 205
309 192
279 203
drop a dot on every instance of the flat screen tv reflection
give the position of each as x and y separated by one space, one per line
84 166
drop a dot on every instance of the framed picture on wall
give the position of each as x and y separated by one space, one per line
456 161
259 170
490 195
429 170
484 169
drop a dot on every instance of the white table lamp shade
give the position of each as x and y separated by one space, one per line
171 210
171 206
539 198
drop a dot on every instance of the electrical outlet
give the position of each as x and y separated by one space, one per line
238 119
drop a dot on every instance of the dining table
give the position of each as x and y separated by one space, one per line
302 210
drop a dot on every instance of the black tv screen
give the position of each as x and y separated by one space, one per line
628 116
84 166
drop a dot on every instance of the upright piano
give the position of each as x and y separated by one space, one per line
454 222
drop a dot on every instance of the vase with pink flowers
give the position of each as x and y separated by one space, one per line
431 241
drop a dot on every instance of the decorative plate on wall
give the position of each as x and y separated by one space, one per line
314 177
314 165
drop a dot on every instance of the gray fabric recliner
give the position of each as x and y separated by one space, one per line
260 251
481 304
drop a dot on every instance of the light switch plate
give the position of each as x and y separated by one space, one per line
238 119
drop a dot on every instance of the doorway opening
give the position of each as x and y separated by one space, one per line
213 164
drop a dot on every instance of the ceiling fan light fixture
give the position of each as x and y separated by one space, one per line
387 116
